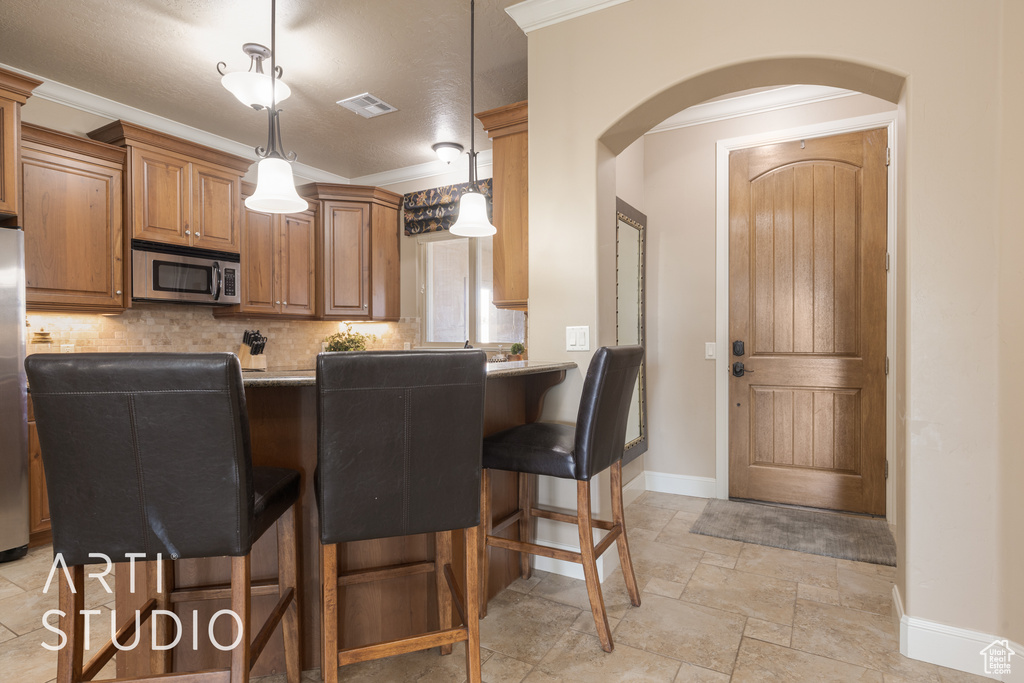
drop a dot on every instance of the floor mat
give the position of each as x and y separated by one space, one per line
821 533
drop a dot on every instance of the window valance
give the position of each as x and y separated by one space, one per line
438 209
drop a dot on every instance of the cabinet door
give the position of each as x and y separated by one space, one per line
346 257
297 259
38 504
215 201
511 218
72 220
259 267
9 126
161 196
386 267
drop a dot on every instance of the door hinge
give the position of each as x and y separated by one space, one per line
887 365
887 262
888 155
886 469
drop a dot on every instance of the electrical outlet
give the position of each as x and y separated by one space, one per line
67 348
407 346
709 350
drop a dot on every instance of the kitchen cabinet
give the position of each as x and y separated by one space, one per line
38 503
71 212
15 89
358 267
507 128
278 266
178 192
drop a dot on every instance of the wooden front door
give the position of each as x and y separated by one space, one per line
807 253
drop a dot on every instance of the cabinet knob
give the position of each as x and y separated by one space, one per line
278 303
188 232
118 291
197 234
366 305
285 303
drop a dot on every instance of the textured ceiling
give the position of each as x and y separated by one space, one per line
161 56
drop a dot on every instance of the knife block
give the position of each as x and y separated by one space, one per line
249 361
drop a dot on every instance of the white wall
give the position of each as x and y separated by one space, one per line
944 63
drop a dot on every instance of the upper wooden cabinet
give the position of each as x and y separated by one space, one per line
179 192
71 213
506 126
14 91
278 265
358 269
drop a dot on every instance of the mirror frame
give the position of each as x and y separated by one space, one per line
624 213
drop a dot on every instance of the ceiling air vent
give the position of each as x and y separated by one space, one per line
367 106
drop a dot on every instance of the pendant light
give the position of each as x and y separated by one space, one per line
472 221
253 87
275 185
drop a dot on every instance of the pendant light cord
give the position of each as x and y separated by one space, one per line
472 91
273 54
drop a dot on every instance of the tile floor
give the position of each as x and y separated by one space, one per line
713 611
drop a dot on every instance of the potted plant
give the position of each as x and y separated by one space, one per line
516 352
347 340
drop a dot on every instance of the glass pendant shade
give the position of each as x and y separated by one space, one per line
275 189
472 220
253 89
448 151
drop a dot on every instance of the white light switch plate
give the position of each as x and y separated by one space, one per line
577 338
709 350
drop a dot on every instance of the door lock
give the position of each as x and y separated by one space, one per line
737 348
738 370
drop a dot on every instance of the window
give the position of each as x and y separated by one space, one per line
456 292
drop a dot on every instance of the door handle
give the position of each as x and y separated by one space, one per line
738 370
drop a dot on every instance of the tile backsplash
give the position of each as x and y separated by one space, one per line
291 344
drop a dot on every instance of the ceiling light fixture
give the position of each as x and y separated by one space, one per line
472 221
252 87
448 151
275 185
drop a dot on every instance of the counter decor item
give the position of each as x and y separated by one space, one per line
347 340
250 353
516 352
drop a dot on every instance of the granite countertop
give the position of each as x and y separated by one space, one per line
303 378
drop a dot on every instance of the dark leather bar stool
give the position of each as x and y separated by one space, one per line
399 454
581 451
149 453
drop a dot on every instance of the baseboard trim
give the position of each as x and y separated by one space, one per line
680 484
951 646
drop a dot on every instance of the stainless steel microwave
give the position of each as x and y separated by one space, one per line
184 275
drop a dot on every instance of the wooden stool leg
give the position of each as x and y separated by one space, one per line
472 601
485 530
619 517
586 527
288 577
241 604
442 558
161 661
329 613
525 501
69 658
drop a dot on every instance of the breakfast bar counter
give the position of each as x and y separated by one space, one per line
282 420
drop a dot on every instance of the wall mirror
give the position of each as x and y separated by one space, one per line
630 324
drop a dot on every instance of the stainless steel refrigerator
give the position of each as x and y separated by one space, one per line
13 425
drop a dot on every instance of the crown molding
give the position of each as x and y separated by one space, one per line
101 106
754 103
427 170
535 14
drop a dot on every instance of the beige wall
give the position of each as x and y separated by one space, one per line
680 175
1011 332
588 103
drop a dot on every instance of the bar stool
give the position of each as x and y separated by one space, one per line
399 439
148 454
581 451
